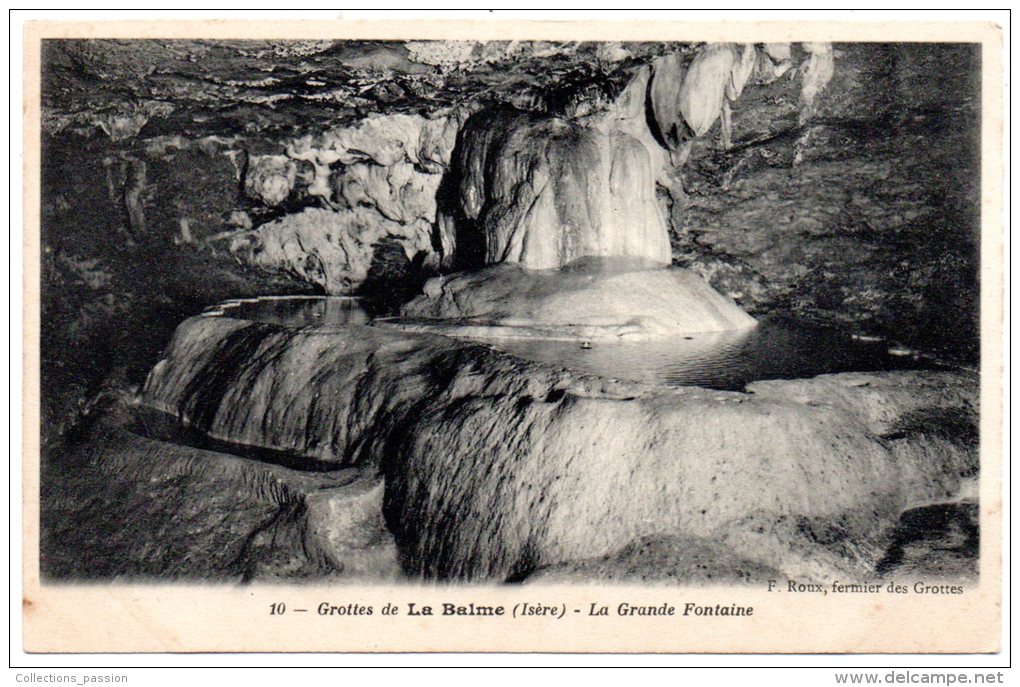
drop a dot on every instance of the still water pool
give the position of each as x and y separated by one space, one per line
778 348
296 311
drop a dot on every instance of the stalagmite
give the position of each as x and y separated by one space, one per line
566 211
608 298
544 191
564 467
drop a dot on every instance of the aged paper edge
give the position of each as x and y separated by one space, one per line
215 618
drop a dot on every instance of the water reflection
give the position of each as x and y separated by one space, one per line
297 311
778 348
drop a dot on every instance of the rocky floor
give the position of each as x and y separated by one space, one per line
939 542
163 511
126 507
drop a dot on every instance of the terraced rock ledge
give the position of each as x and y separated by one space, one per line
426 457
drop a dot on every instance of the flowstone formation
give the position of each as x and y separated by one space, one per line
571 205
543 191
383 193
592 298
585 196
483 466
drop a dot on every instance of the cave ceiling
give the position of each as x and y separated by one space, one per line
275 89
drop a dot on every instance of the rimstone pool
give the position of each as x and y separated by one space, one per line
779 347
295 311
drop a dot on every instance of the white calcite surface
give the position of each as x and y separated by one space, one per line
543 191
270 178
495 467
399 192
333 249
591 298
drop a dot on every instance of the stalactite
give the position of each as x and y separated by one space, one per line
133 198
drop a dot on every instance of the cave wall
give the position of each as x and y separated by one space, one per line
869 217
179 173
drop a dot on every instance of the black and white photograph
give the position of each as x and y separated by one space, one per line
511 314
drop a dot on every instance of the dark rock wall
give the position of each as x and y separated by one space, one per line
113 291
869 216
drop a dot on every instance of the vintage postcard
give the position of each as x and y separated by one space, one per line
513 337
